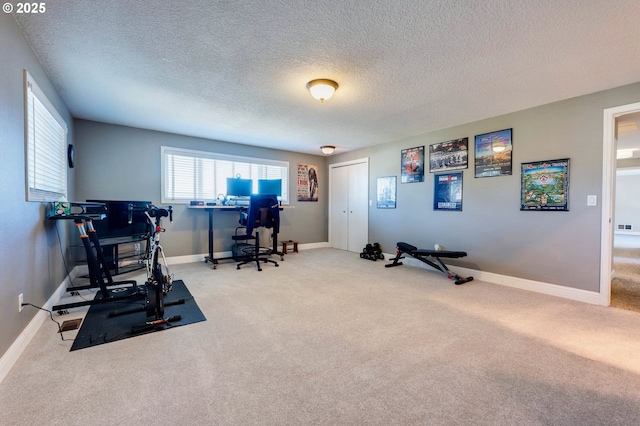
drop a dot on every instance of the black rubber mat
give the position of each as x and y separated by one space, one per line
122 319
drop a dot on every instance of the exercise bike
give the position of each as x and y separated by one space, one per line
159 281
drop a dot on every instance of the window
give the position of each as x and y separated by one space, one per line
197 175
45 146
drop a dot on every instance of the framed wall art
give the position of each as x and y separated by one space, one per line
450 155
307 182
493 153
386 192
447 192
412 163
544 185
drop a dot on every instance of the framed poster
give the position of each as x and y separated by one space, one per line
412 160
493 153
450 155
386 192
544 185
447 191
307 189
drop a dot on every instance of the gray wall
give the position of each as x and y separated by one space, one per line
30 253
553 247
123 163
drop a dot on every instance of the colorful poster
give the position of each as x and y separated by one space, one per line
544 185
493 153
307 182
447 192
450 155
386 192
412 162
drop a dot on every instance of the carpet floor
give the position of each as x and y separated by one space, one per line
625 286
328 338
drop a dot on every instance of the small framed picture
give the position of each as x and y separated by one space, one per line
386 192
412 162
493 153
450 155
544 185
447 192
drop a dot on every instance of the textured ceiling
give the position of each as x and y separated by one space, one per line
236 70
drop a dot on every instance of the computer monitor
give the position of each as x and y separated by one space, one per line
237 187
270 186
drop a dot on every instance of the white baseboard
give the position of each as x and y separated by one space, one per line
12 354
632 233
515 282
193 258
176 260
310 246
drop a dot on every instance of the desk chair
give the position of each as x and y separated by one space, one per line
263 212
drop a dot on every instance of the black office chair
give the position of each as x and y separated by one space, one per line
263 212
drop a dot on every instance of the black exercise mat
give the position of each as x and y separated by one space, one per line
101 326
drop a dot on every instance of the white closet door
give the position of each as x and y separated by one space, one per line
349 211
358 207
339 207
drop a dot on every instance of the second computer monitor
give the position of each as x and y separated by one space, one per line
239 187
270 186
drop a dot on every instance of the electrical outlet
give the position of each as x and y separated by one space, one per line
20 301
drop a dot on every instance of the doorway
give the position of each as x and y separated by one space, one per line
611 115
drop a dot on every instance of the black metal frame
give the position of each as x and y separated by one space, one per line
99 274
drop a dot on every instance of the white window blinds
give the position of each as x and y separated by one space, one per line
46 146
199 175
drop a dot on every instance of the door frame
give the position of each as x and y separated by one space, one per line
343 164
608 196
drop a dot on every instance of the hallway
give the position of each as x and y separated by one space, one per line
625 285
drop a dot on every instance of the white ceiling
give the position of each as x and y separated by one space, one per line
236 70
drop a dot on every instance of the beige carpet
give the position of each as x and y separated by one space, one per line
328 338
625 286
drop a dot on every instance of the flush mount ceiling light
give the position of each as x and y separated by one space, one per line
327 149
322 89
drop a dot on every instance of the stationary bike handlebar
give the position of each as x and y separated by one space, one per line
152 210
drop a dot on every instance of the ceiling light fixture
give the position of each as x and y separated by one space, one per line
322 89
327 149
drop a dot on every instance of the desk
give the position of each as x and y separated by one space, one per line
210 209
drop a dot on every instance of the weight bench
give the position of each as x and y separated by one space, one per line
431 258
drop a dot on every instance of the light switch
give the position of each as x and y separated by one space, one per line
592 200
